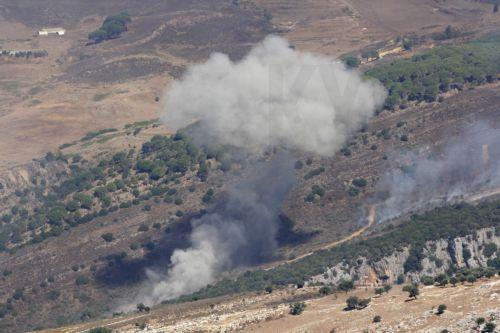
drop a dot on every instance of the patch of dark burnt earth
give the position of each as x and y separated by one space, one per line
130 271
70 12
232 33
120 70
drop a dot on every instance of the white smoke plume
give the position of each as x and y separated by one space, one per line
468 164
274 96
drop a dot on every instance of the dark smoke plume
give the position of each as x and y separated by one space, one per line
241 231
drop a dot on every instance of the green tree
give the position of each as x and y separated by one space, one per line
351 61
345 285
352 302
489 249
453 281
441 309
412 290
108 237
471 279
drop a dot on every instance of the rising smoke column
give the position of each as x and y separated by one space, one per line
468 163
241 231
275 96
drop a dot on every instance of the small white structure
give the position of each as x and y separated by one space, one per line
52 31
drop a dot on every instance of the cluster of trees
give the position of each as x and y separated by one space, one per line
426 75
24 54
316 191
90 191
112 27
441 223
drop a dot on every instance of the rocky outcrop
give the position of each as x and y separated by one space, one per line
439 256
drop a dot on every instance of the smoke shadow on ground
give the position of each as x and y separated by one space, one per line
123 271
287 235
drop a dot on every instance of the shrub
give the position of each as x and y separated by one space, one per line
299 165
345 285
359 182
441 309
353 191
178 201
108 237
325 290
489 249
351 61
207 198
404 137
453 281
355 303
81 280
100 330
143 227
412 290
112 27
297 308
142 308
489 328
377 319
471 279
269 289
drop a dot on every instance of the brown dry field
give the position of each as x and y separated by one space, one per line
57 99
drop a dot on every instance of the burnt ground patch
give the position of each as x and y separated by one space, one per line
120 70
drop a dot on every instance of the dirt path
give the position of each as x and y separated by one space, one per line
372 210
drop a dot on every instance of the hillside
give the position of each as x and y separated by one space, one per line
98 192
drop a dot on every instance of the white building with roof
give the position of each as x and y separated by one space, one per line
52 31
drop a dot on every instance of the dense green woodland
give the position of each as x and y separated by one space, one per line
441 223
424 76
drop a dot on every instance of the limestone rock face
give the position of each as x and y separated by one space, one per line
439 256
